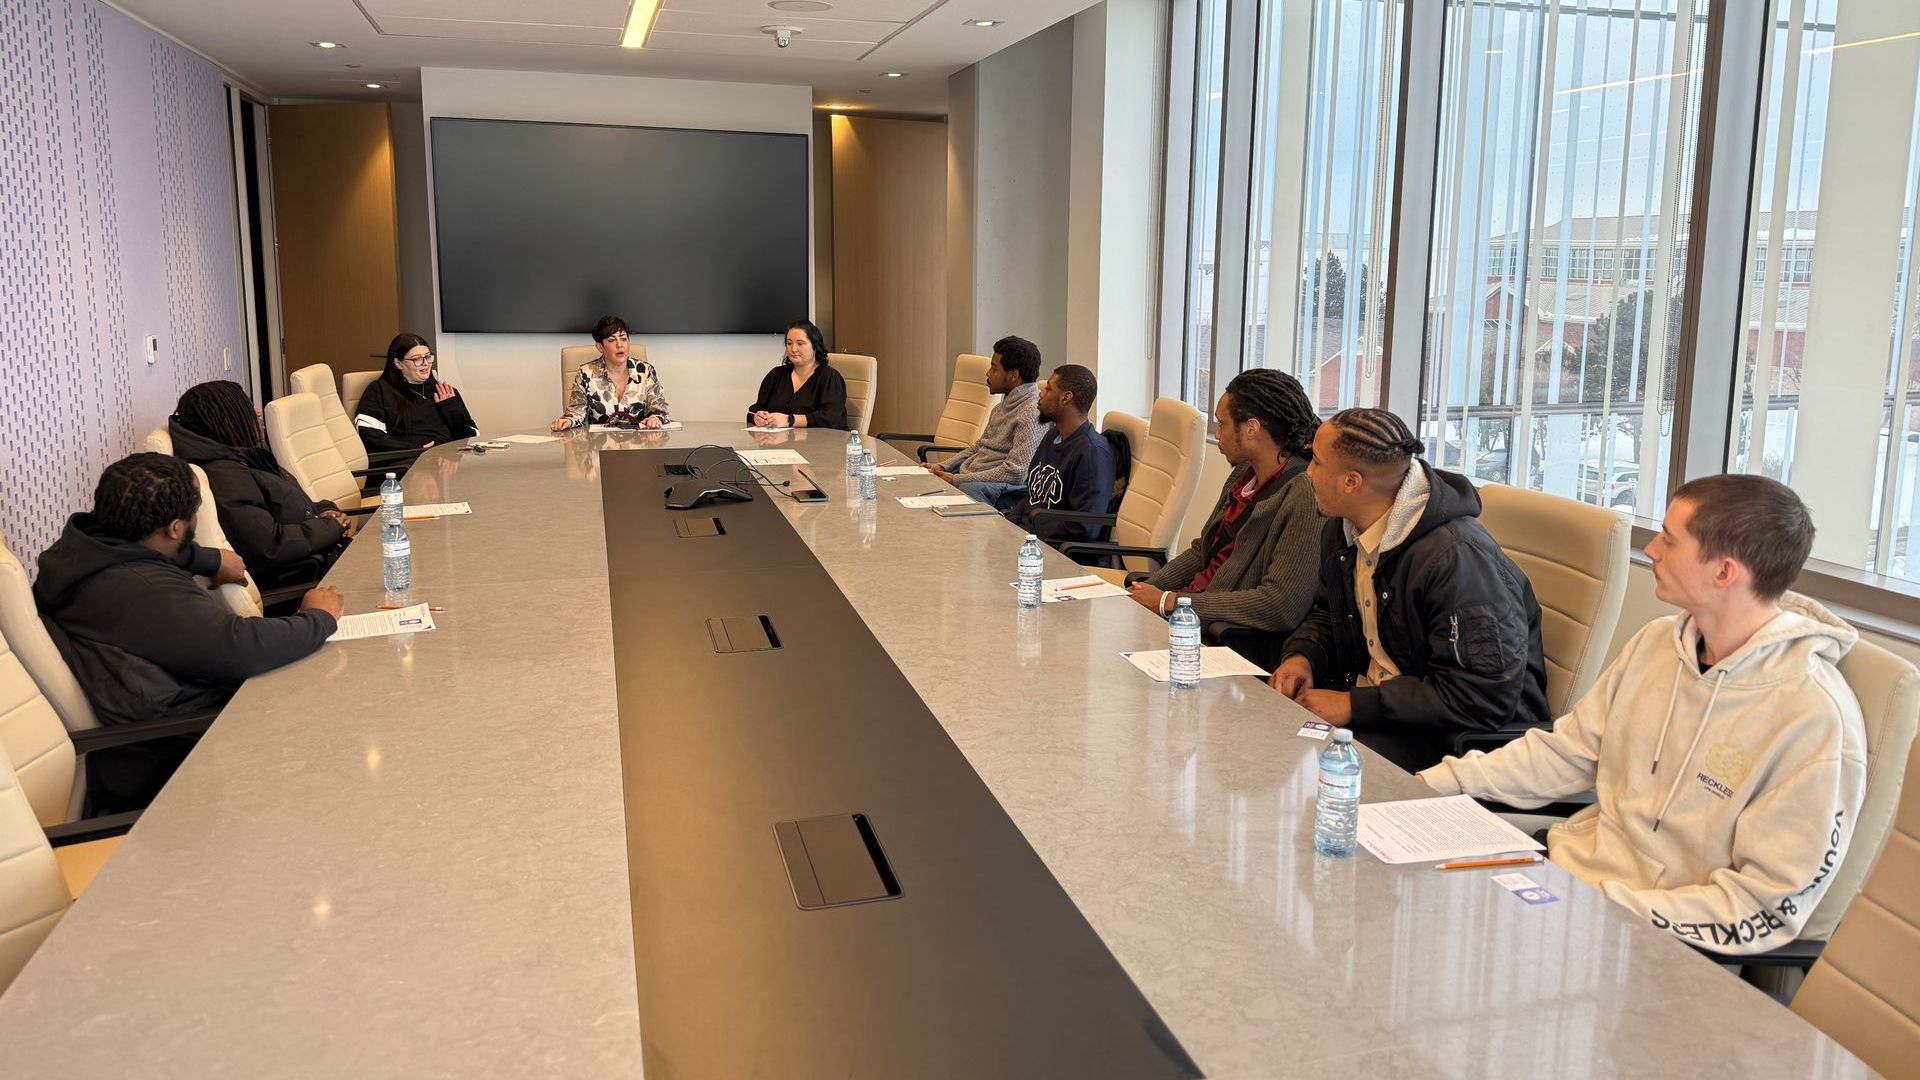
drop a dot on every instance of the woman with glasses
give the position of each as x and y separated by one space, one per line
620 389
406 408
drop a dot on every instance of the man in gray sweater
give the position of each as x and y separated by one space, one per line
1256 563
997 461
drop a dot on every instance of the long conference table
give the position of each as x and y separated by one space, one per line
433 854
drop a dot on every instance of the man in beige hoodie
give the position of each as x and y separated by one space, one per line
1725 750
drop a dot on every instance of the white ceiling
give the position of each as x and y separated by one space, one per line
842 52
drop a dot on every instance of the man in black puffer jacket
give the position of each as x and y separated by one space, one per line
279 531
1422 628
143 638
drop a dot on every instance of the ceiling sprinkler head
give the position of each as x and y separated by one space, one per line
782 35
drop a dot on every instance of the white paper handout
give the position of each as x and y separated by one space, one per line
1216 662
761 459
406 620
528 440
766 430
1434 830
609 429
926 502
1089 587
431 511
899 470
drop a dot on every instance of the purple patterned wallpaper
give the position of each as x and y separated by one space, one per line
116 221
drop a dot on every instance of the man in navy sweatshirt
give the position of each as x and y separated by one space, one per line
1073 469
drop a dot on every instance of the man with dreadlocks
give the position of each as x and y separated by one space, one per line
142 637
1422 627
1255 563
263 510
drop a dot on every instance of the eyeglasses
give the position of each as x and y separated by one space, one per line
427 359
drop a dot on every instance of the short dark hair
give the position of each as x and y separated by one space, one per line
1020 356
814 336
221 411
608 326
1278 401
1757 521
144 493
1079 382
1375 440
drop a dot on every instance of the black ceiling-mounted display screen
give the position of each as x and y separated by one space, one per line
543 228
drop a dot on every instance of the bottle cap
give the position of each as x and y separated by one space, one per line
1185 601
1030 536
390 476
1342 735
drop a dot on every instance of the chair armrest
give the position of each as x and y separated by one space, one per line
1565 808
117 735
87 830
1065 517
1134 577
270 597
1797 954
385 457
1104 550
361 511
889 436
932 448
1490 740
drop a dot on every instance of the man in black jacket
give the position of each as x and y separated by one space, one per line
1073 468
279 531
142 637
1422 628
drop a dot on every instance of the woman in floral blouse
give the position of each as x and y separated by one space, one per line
617 389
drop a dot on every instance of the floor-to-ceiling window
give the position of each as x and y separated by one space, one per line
1203 211
1566 156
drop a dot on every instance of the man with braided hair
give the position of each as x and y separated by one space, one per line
142 637
269 518
1422 627
1255 564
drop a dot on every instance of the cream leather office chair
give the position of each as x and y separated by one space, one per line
965 415
317 379
1888 689
1862 991
1132 428
243 599
27 638
1575 555
863 379
33 895
1166 473
297 432
353 386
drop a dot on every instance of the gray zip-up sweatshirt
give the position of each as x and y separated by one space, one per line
1001 454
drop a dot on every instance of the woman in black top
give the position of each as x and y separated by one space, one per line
268 519
803 391
406 408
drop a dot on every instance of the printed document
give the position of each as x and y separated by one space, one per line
430 511
528 440
899 470
1434 830
761 459
1216 662
1056 590
407 620
926 502
609 429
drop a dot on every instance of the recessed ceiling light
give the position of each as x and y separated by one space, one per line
326 45
896 74
982 23
373 86
639 23
800 5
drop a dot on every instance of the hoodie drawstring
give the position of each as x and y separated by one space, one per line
1705 718
1661 746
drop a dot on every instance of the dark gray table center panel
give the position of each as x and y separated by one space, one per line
933 943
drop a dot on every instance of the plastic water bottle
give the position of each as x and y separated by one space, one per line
396 554
1032 565
1337 817
393 502
869 477
1183 645
854 450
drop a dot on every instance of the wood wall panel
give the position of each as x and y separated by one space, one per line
338 231
889 262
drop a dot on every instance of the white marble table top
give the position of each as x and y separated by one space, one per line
405 857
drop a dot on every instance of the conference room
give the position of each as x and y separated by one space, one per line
960 538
